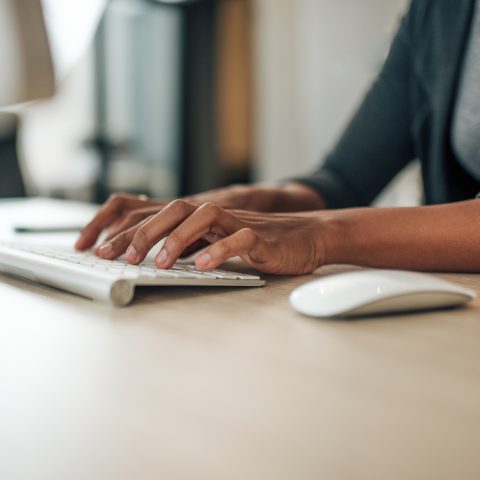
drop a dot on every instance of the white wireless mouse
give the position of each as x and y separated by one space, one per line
372 292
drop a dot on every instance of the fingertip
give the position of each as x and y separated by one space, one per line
132 255
79 245
161 259
205 261
105 251
84 242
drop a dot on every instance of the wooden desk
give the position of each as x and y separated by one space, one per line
232 384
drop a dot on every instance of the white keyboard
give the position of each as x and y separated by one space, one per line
105 280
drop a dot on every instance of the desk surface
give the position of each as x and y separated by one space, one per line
192 383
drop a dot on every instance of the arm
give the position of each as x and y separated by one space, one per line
434 238
377 143
374 147
287 197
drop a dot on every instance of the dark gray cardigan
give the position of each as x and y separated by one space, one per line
407 114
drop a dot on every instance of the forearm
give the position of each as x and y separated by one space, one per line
434 238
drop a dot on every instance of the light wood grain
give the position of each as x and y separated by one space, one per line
193 383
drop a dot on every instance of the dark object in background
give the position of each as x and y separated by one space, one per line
211 127
11 181
216 139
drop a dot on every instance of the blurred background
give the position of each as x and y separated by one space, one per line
175 97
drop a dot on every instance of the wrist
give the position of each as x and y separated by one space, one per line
334 237
288 197
248 197
354 236
300 198
322 233
256 197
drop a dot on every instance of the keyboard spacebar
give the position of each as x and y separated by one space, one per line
158 274
152 272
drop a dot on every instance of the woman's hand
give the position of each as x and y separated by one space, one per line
122 212
288 244
434 238
118 213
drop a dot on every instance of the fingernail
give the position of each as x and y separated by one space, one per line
205 259
131 254
105 249
162 257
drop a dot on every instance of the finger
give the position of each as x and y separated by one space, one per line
207 219
240 243
131 219
107 214
116 246
156 228
194 247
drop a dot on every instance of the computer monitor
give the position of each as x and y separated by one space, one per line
25 60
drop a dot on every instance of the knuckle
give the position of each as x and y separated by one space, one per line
121 239
249 234
140 240
133 217
114 197
130 217
178 206
175 241
238 188
210 208
192 202
115 201
119 199
222 249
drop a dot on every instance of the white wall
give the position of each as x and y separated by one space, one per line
53 158
314 61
